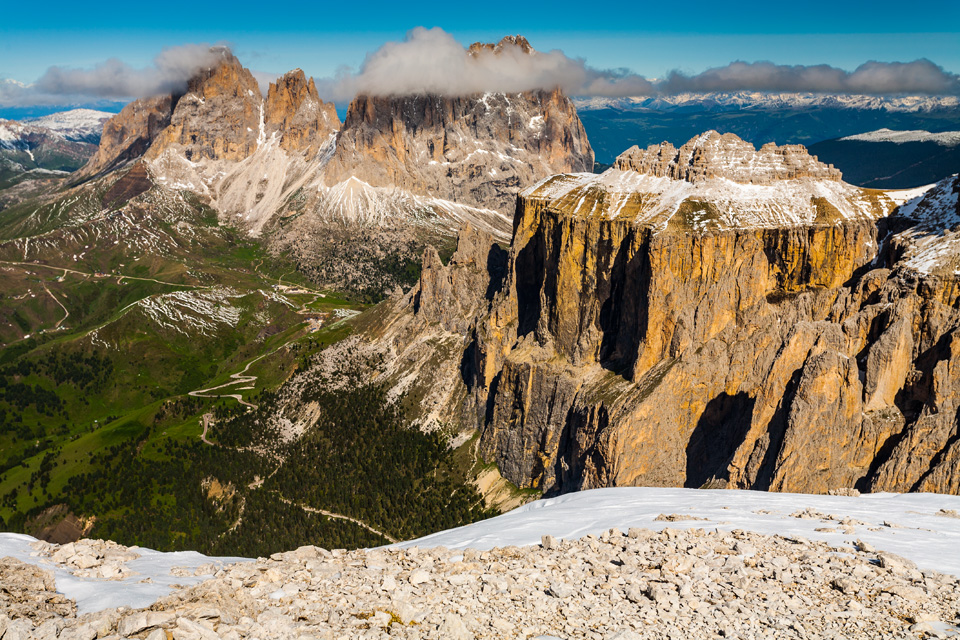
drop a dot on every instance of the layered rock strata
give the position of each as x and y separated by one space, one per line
774 348
415 160
478 150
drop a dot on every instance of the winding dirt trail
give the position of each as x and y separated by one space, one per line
240 377
107 275
207 420
66 314
338 516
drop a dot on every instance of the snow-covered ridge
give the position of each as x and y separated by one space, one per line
933 245
760 100
713 203
943 138
77 124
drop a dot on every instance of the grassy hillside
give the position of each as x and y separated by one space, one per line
140 340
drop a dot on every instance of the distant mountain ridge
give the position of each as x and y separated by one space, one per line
78 125
735 101
615 123
53 145
886 158
942 138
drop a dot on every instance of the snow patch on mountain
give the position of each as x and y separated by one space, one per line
9 134
192 312
355 201
153 575
922 527
715 202
933 245
943 138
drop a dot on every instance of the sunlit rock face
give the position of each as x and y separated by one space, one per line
782 344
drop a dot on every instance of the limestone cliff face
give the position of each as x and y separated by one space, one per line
259 161
129 134
806 356
294 110
478 150
219 118
791 359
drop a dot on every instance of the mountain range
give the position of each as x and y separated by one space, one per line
220 232
888 159
441 302
809 119
43 148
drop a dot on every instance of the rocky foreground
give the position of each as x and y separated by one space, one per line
639 584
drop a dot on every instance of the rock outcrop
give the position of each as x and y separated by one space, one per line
128 135
774 348
29 594
713 155
219 118
616 586
294 109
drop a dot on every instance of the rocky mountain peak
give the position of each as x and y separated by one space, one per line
127 135
478 150
727 156
225 78
294 108
219 118
516 41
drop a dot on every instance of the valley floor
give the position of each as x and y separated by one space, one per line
611 563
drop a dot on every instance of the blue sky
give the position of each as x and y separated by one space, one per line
649 38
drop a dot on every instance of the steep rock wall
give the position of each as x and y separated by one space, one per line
791 359
477 150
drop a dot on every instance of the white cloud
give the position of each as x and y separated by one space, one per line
114 79
881 78
432 61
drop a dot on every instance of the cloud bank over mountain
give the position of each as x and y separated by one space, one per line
114 79
881 78
433 61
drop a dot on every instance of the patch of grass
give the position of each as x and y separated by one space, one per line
695 215
826 212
